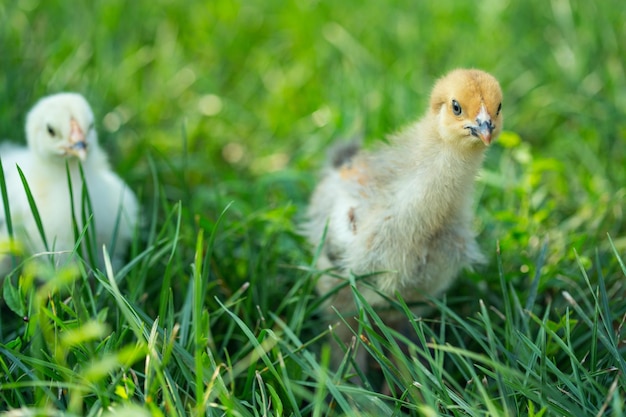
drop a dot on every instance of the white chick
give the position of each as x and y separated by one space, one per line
60 133
404 211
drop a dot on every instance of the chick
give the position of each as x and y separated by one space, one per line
61 135
404 211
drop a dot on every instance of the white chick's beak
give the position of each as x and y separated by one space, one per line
78 144
484 126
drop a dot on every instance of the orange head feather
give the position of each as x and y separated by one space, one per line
468 104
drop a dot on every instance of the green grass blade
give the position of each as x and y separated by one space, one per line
5 202
33 209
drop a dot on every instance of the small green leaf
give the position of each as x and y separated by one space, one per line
91 330
13 298
14 345
278 404
509 139
120 391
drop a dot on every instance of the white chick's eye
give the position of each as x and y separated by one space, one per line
499 108
51 131
456 108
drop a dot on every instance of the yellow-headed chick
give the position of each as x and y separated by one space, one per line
404 211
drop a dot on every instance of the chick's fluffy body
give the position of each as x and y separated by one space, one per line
405 210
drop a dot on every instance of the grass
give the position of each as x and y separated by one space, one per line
218 114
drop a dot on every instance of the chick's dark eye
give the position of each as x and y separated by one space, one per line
51 131
499 108
456 108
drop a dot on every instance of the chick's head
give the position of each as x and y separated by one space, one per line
467 104
61 126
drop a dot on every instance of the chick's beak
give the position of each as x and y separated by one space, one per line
78 144
484 130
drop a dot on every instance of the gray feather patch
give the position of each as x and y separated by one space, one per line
342 152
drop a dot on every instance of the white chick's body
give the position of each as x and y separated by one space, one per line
61 136
404 212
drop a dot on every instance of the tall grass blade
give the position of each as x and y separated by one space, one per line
33 208
5 202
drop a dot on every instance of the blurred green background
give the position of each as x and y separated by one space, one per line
239 100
